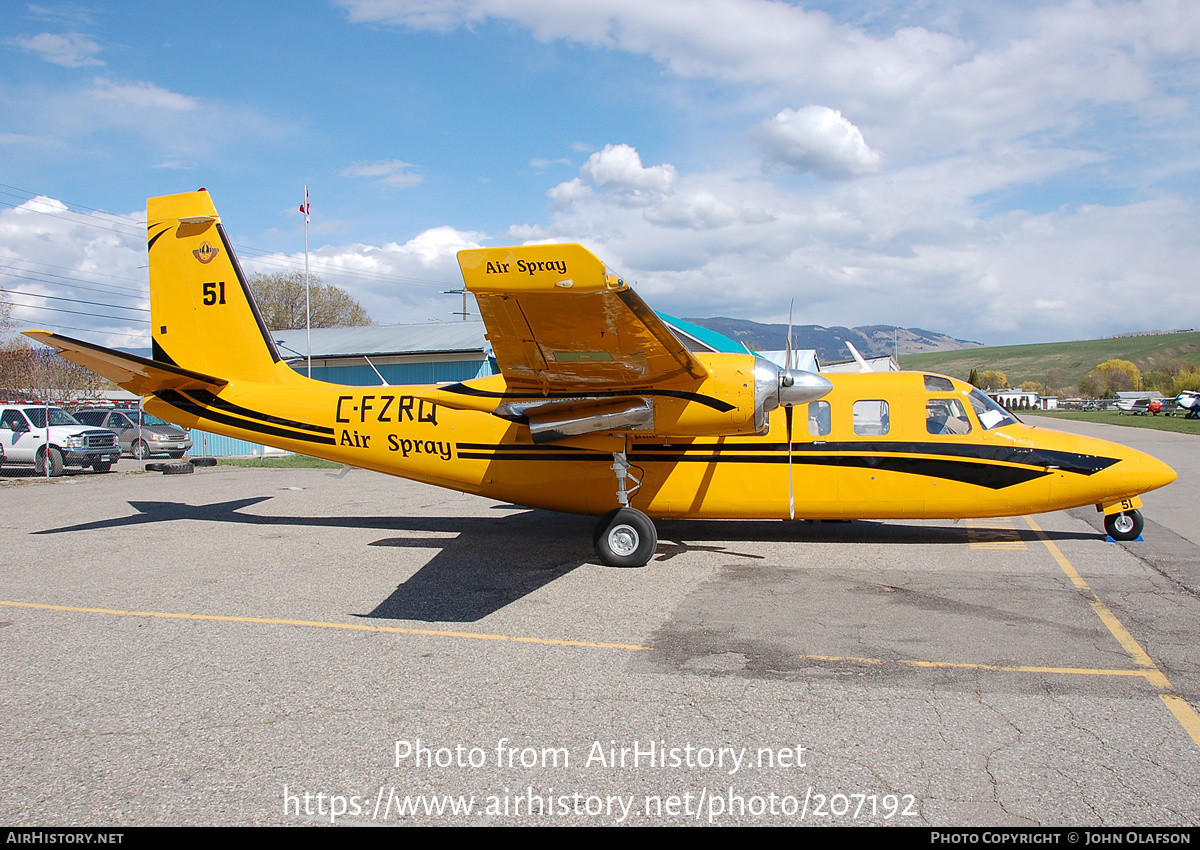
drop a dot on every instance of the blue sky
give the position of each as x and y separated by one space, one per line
1005 172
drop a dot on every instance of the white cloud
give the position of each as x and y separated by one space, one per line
939 80
565 194
619 169
140 97
72 50
816 140
907 248
391 172
47 249
395 282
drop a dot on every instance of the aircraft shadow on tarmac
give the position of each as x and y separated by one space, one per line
494 561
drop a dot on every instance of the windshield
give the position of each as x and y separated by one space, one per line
37 415
991 415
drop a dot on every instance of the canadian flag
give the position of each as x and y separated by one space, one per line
304 207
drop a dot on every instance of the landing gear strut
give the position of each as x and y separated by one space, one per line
625 537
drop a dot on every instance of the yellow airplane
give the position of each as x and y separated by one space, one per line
601 409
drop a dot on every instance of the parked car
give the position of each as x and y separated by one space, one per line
27 440
139 433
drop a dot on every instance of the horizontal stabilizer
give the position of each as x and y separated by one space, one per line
139 375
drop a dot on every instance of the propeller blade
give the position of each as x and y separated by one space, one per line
788 360
858 358
791 493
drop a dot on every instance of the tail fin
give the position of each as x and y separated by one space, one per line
203 317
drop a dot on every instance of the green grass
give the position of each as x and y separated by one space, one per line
286 462
1022 363
1111 417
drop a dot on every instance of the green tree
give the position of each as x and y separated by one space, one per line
992 379
973 378
1187 379
280 299
1116 376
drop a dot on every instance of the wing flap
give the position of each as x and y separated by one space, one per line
558 321
139 375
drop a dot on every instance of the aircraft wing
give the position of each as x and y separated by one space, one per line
137 374
559 322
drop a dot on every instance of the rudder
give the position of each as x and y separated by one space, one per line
203 316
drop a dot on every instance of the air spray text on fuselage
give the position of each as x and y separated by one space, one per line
365 409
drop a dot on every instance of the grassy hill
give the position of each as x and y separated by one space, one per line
1034 362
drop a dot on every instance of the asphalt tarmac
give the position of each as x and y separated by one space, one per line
246 646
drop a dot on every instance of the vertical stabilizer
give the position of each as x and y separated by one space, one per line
202 313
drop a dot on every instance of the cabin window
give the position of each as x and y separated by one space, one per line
991 415
871 418
946 416
820 419
938 384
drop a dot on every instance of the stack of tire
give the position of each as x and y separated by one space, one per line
181 468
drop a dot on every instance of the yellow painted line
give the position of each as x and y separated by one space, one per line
1184 713
843 659
991 668
983 534
357 627
1023 668
1127 641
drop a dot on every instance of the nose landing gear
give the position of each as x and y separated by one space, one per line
1124 526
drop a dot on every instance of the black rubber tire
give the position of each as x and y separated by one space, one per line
1124 526
625 537
139 449
203 461
154 467
177 468
56 463
101 467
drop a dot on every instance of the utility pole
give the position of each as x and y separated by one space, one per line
463 293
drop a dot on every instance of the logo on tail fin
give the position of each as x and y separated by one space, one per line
206 253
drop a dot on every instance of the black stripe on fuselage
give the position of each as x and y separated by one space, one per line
958 463
181 402
209 399
715 403
1081 464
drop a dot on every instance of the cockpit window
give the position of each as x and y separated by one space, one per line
820 420
946 416
938 384
991 415
871 418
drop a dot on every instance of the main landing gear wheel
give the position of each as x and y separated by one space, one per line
1126 525
625 537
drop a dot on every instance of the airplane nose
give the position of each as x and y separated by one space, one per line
1136 472
1150 473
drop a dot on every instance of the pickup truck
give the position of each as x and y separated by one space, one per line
26 439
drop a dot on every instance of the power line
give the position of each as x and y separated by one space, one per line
73 283
72 300
136 228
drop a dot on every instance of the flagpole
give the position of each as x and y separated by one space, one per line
307 299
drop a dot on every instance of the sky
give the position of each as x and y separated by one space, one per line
1004 172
